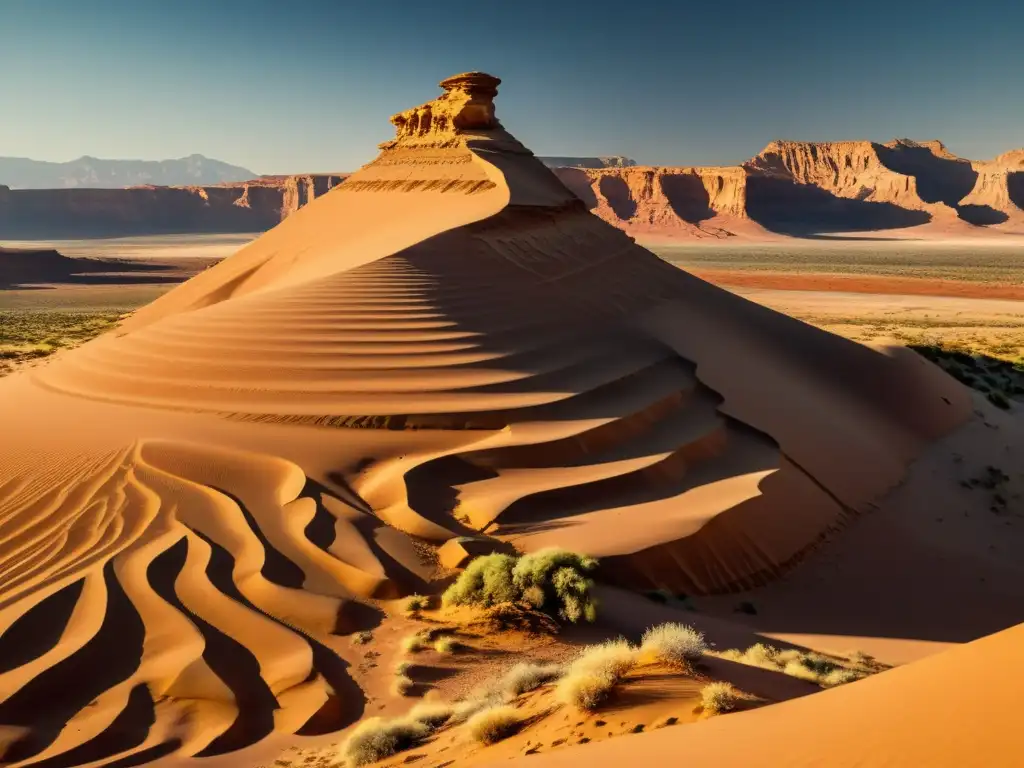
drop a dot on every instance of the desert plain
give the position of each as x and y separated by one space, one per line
444 469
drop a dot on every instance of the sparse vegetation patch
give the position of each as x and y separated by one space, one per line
552 580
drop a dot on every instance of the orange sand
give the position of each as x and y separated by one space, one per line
197 508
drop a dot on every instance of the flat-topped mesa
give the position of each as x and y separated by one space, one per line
465 107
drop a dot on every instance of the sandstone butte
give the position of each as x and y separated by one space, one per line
198 508
912 189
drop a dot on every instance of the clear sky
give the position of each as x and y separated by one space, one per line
308 85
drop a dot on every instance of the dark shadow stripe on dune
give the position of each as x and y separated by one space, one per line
276 566
50 700
231 661
38 630
127 731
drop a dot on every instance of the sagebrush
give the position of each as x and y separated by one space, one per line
551 580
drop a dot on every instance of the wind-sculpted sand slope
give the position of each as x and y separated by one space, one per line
172 597
206 500
905 717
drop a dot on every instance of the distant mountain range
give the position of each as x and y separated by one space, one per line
94 173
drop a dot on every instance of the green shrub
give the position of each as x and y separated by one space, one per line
676 644
717 698
415 603
552 580
486 581
376 739
494 724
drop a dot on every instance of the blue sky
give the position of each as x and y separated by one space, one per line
308 86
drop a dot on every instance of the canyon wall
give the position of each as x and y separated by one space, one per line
802 188
664 202
251 206
789 188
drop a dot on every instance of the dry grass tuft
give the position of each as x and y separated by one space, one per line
415 643
594 674
676 644
402 686
528 676
805 665
494 724
376 739
432 714
448 645
362 638
718 698
414 604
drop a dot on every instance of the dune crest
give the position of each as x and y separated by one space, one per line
447 344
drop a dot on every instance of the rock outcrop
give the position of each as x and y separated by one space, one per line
665 202
251 206
797 188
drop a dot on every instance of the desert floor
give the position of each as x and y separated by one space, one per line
928 558
959 294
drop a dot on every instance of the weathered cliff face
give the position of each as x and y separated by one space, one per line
252 206
806 187
671 202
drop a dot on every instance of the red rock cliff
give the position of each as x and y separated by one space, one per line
251 206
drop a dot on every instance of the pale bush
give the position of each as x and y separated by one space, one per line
528 676
415 643
376 739
612 657
673 644
402 685
465 709
585 690
494 724
362 638
718 698
432 714
403 667
841 677
594 674
796 668
447 645
762 655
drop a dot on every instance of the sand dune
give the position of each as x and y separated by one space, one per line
908 716
201 504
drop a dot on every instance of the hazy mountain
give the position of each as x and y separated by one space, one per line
92 172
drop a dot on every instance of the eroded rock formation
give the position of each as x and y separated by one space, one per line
251 206
805 187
